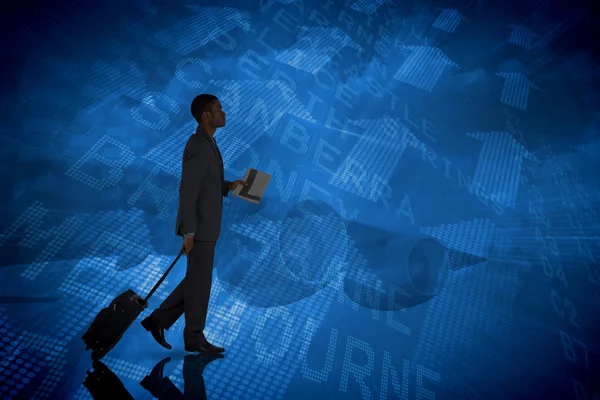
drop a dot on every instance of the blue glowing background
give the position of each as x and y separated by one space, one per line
431 230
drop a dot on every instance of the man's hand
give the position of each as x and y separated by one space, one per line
188 243
234 184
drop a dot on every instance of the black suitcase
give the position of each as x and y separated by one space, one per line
111 322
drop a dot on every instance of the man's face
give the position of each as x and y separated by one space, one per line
217 116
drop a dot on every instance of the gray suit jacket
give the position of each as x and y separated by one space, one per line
202 188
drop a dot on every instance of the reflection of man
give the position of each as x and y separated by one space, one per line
199 222
161 387
104 384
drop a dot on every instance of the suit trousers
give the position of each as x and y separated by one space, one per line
191 296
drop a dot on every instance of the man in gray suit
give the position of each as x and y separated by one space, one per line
201 192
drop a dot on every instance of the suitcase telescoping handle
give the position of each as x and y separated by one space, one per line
162 278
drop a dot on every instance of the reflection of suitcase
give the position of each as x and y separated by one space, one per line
111 322
103 384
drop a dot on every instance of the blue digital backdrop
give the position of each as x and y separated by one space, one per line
431 230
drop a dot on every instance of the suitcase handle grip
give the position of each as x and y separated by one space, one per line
162 278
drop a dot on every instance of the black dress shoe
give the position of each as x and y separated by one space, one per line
203 347
157 331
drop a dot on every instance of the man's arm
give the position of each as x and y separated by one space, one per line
192 172
226 188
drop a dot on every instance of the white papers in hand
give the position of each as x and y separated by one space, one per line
257 184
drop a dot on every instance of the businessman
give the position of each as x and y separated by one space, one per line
201 194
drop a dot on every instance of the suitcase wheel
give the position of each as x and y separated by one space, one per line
97 354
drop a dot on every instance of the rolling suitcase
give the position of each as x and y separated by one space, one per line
111 322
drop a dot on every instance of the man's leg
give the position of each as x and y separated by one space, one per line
197 285
171 308
167 313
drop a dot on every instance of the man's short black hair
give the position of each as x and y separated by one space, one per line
201 103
